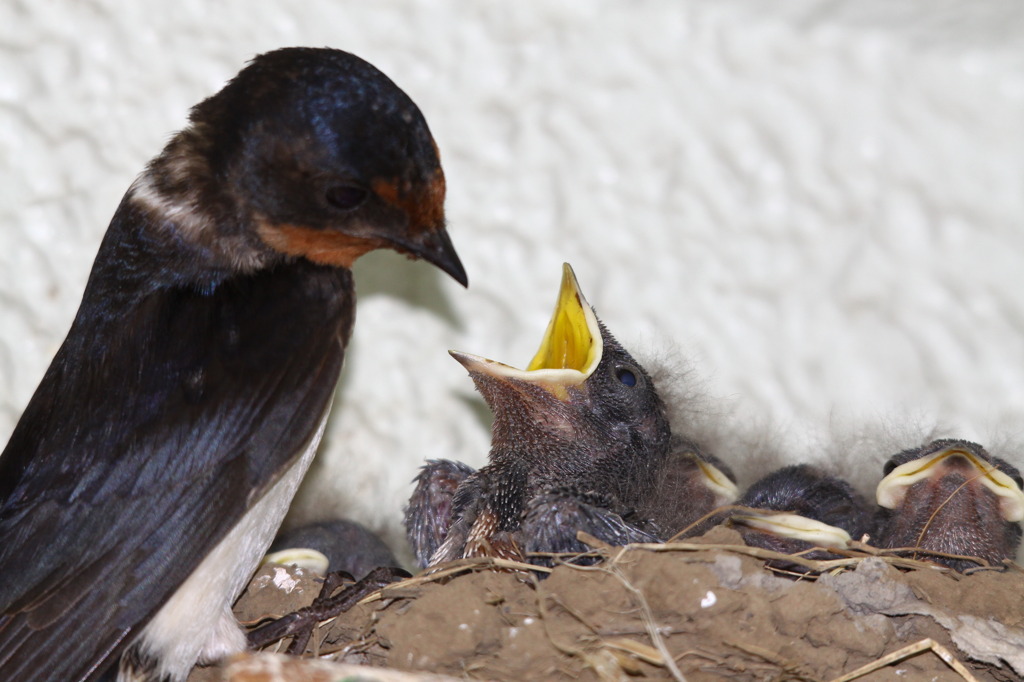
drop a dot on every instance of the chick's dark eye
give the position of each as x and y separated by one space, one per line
625 376
1019 481
889 466
346 197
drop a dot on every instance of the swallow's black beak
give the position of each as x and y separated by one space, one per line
436 248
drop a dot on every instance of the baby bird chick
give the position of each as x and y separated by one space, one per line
578 441
951 496
800 508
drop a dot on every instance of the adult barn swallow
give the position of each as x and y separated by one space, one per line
951 496
577 441
156 459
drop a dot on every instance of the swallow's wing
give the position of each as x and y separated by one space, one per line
553 518
165 416
428 516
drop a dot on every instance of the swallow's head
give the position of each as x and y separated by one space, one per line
812 493
691 484
799 506
954 497
707 476
310 153
582 399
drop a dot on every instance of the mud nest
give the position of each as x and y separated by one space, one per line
705 609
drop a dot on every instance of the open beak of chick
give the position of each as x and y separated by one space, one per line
568 355
892 489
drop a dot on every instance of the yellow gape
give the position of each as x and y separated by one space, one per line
892 488
572 340
569 353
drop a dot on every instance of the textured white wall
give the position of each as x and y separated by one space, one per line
820 204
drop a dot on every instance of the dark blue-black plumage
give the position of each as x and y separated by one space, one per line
204 356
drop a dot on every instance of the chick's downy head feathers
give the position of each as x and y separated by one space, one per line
951 496
582 405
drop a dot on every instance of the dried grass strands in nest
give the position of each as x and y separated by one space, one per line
607 657
906 652
852 557
447 570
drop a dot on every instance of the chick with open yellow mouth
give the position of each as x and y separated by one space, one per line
578 440
951 496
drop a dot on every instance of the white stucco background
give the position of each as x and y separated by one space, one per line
818 203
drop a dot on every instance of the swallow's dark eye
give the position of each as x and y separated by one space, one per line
889 466
346 197
1019 481
625 376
